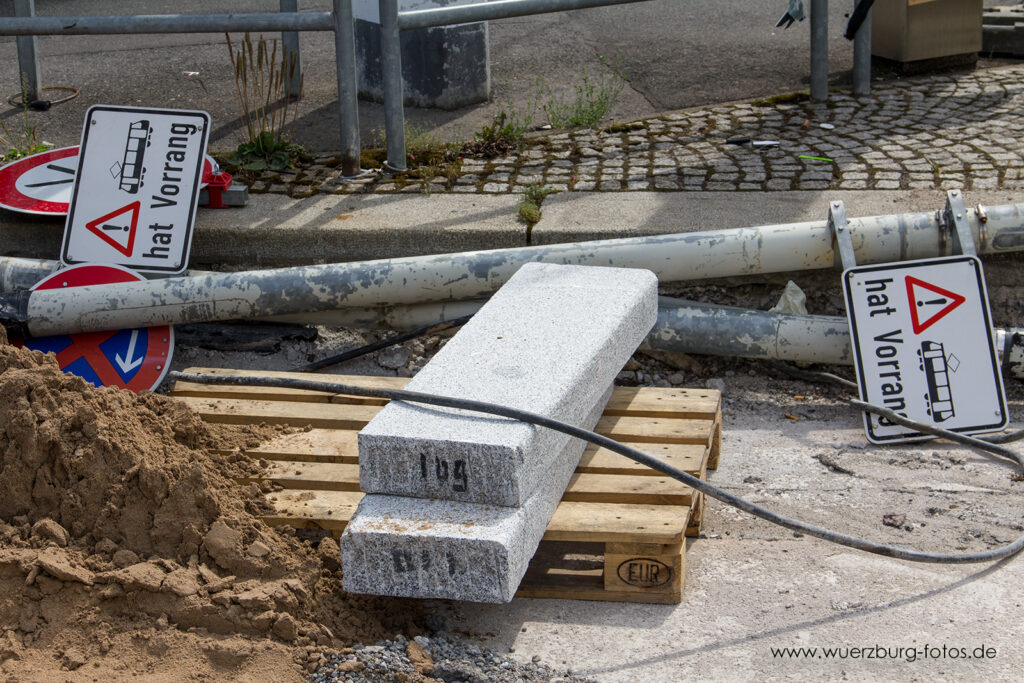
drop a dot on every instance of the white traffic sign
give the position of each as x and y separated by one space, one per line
43 183
922 339
139 173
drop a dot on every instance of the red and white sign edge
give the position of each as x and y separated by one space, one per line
14 198
167 331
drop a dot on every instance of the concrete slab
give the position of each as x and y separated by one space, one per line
275 230
752 587
582 216
411 547
550 340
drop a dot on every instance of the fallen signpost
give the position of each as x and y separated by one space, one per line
477 275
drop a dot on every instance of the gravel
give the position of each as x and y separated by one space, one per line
449 659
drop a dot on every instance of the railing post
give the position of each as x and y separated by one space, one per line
391 77
862 56
348 89
819 50
290 41
28 57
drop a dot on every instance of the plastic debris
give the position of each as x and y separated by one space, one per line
826 126
795 12
807 156
765 143
741 140
792 301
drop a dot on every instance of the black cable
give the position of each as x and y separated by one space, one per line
383 344
821 377
972 441
860 13
631 453
810 375
1009 437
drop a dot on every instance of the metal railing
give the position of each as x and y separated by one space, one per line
288 21
341 21
393 22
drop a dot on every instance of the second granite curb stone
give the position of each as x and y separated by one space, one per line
411 547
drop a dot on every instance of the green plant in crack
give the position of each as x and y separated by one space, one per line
21 140
506 132
533 197
427 157
261 85
592 99
785 98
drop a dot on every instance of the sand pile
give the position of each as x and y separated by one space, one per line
125 544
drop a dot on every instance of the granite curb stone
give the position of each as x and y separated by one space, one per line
550 340
419 548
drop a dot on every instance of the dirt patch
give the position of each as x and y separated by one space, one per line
127 548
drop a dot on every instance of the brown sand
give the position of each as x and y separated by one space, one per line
126 548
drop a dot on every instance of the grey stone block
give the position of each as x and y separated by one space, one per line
445 66
413 547
551 340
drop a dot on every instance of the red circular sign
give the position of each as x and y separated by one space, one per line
40 183
43 183
135 359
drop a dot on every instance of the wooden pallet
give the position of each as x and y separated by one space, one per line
618 533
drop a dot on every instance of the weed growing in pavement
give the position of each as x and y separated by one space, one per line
427 156
533 197
261 84
592 101
506 132
786 98
23 141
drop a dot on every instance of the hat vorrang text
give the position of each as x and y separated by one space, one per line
886 351
170 187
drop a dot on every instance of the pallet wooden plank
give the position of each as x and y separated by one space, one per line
340 445
687 457
627 523
664 402
345 416
358 380
631 401
583 586
314 445
716 443
246 411
191 389
656 430
580 571
696 516
582 488
634 569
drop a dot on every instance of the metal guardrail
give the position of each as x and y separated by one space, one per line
341 21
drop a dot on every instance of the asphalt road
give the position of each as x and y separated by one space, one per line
674 55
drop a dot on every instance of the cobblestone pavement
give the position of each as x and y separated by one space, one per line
960 130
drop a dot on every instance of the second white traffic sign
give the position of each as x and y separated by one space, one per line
922 338
138 178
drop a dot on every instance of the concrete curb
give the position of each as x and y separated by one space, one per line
276 231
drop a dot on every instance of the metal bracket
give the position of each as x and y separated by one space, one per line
955 215
840 229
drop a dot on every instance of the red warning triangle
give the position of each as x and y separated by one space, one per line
936 301
119 234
